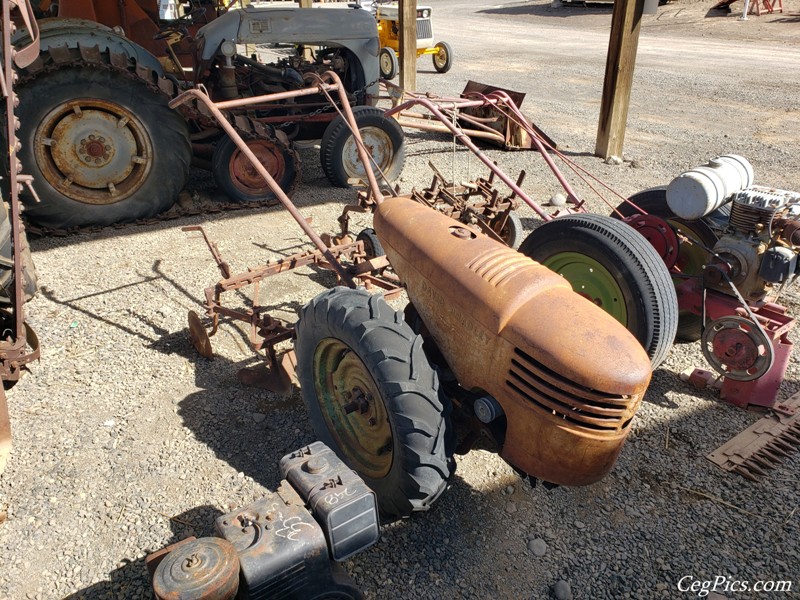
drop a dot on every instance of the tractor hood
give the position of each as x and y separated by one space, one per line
350 28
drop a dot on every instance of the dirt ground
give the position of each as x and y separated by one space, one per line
125 440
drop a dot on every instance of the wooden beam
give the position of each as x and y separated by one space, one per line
625 24
408 44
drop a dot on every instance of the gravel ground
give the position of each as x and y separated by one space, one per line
125 440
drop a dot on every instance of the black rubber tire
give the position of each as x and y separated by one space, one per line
338 150
654 201
443 60
513 233
29 276
636 267
283 167
372 245
164 173
387 59
418 415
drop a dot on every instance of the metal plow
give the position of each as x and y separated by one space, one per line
762 446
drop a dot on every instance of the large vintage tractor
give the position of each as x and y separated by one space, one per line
492 345
103 145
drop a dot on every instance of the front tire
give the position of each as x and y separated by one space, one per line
443 59
387 59
512 232
374 399
616 268
102 146
236 176
383 138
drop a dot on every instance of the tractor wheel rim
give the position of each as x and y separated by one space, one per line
354 412
93 151
440 57
378 145
386 63
246 178
591 280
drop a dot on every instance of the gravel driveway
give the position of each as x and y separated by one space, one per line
125 440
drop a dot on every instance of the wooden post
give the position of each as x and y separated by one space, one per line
305 3
625 23
408 44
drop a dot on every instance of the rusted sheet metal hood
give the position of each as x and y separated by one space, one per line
569 377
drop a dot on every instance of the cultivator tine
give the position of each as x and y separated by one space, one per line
745 473
763 445
754 468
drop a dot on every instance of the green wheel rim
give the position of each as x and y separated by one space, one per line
353 409
591 280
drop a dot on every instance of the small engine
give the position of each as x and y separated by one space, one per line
759 238
282 546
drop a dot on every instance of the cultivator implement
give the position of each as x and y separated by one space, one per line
18 344
347 258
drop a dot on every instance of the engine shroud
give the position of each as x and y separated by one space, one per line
568 376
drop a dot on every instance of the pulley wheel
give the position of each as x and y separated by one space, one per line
737 349
207 568
199 335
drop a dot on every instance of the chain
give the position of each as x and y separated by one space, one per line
326 108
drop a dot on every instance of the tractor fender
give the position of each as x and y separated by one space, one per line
72 33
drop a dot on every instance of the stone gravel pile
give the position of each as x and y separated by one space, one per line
125 440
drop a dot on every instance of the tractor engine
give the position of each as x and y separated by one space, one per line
758 227
761 242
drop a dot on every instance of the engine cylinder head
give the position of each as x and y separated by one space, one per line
755 207
702 190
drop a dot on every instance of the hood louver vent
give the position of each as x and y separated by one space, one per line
557 396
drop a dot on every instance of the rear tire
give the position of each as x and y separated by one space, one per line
374 399
383 138
102 146
617 269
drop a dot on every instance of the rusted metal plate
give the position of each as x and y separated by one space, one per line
762 446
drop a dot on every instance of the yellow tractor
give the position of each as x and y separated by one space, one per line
388 17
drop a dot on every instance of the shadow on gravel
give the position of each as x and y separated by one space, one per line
131 580
546 10
314 190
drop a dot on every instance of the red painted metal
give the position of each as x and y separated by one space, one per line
761 392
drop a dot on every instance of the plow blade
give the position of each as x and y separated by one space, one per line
762 446
514 136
